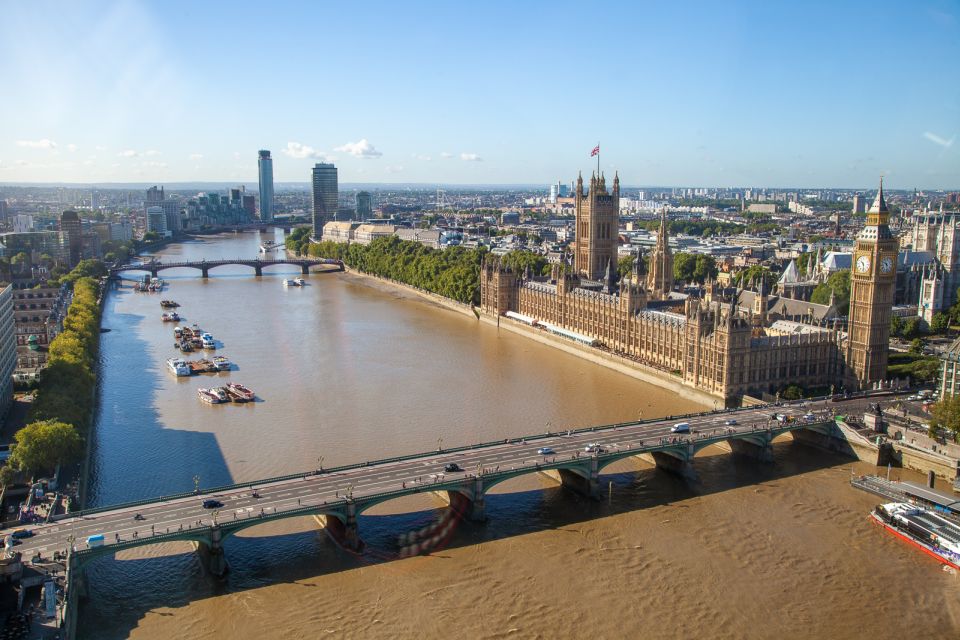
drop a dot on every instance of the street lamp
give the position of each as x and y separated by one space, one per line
320 464
440 444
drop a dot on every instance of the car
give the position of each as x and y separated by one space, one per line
21 533
731 422
212 504
545 451
593 447
680 427
809 417
781 417
139 516
452 467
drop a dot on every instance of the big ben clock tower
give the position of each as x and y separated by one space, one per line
872 284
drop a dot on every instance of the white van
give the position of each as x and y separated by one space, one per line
680 427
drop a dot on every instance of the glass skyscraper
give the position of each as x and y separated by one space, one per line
266 186
325 196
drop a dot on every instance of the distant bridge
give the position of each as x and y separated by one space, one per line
204 266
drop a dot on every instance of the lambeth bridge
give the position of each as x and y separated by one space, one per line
204 266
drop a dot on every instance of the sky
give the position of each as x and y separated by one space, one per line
818 94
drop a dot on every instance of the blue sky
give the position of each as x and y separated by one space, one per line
683 93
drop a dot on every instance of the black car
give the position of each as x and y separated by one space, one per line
212 504
452 467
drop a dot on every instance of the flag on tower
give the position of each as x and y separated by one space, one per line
596 151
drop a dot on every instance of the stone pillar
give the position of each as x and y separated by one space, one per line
351 536
584 480
212 553
677 462
204 272
258 269
305 268
478 508
753 448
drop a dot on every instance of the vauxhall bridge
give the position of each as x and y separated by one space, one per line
204 266
337 496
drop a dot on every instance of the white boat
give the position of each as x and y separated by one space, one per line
222 363
933 534
289 283
300 282
208 396
208 341
179 367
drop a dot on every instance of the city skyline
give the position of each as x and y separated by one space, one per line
742 94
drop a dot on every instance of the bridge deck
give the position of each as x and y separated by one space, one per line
369 483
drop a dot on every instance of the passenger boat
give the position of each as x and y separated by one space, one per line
169 304
208 396
289 283
300 282
178 367
207 341
222 363
936 536
239 393
170 316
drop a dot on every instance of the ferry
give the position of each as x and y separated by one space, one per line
300 282
208 396
207 341
170 316
290 283
222 363
239 393
179 367
936 536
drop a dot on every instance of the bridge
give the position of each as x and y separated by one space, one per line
204 266
337 496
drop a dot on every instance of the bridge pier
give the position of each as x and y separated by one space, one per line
759 448
585 480
213 555
258 270
345 531
678 462
204 272
305 269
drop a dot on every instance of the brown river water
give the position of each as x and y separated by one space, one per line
350 369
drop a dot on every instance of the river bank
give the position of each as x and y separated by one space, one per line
606 359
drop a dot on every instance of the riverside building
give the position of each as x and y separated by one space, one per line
725 343
265 165
325 196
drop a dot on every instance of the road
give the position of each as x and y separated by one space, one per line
249 501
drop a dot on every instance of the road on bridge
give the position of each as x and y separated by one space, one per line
331 487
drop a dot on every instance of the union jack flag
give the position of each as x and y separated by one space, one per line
596 151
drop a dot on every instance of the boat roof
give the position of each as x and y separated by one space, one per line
932 496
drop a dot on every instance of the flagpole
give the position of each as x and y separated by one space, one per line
598 160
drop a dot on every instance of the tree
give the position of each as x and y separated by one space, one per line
792 392
704 267
8 475
917 345
939 323
684 265
945 415
896 326
625 266
839 284
41 446
912 328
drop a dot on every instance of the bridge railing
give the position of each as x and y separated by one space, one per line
402 458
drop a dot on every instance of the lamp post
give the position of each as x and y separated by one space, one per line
440 444
320 464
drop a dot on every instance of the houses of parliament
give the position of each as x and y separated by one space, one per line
728 343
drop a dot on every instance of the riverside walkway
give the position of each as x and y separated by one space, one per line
204 266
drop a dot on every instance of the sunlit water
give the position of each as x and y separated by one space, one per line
350 370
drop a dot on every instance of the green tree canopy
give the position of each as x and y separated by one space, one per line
839 284
41 446
946 415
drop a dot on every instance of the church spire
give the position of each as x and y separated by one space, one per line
879 204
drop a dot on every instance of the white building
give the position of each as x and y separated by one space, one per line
157 221
22 223
121 231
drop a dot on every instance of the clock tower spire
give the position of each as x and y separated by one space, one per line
872 284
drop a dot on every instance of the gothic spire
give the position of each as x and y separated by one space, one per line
879 204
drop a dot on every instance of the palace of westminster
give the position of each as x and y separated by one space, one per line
727 342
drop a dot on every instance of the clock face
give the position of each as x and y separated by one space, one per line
886 265
863 264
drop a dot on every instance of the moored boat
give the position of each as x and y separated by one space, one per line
179 367
185 346
207 341
221 393
289 283
170 316
239 393
300 282
936 536
208 396
222 363
169 304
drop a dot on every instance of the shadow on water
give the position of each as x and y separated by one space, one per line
133 454
257 561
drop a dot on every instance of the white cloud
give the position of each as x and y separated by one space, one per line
21 163
100 148
151 152
362 149
298 150
471 157
418 156
236 155
71 147
394 168
128 153
37 144
446 154
153 164
935 139
196 156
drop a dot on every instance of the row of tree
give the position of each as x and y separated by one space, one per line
64 403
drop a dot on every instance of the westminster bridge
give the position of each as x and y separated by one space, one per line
204 266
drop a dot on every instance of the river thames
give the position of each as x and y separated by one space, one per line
347 369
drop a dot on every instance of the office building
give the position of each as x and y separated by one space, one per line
71 235
157 221
325 196
266 185
364 205
22 223
4 210
8 348
249 204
